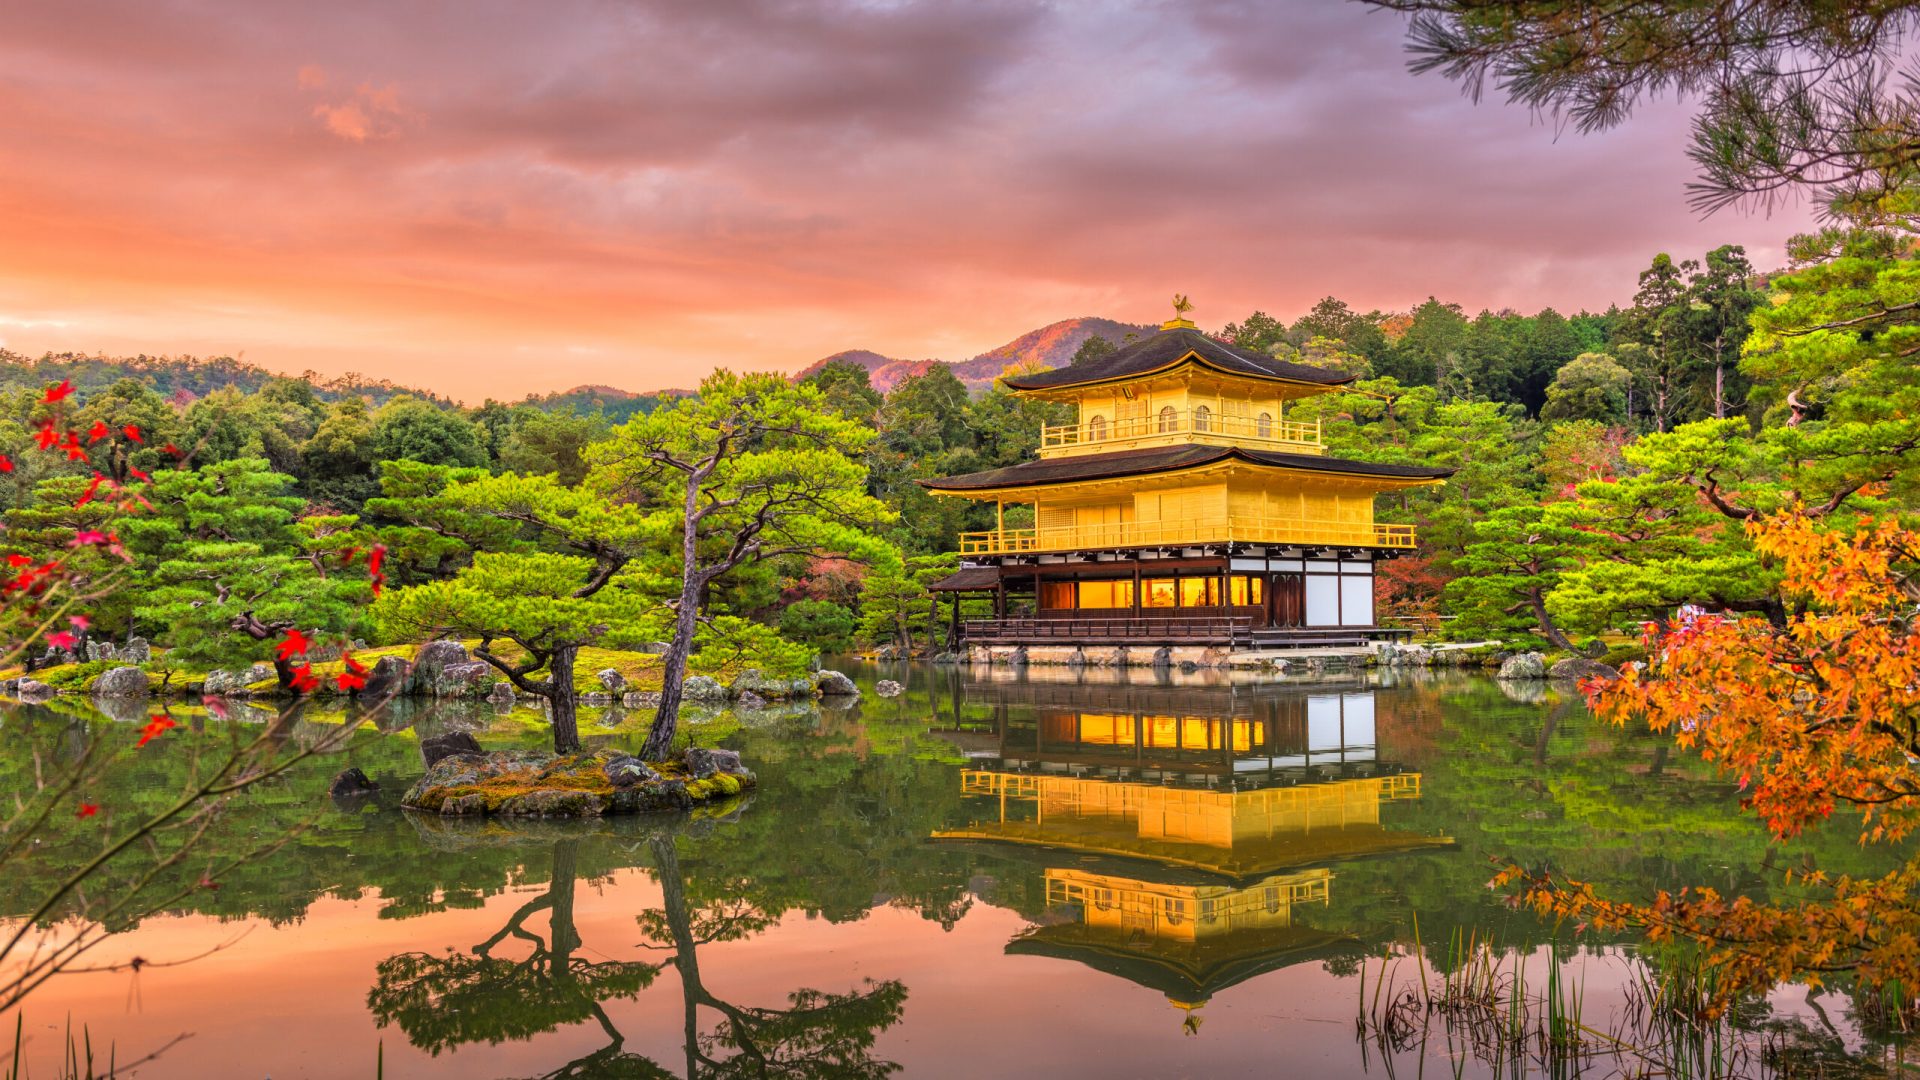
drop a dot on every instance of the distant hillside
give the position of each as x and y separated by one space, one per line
184 378
617 405
1050 346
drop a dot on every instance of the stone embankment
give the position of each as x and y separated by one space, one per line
437 671
1492 656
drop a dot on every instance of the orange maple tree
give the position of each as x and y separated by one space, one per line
1809 716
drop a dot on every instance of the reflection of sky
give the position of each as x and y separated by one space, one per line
291 1001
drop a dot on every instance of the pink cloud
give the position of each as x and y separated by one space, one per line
668 186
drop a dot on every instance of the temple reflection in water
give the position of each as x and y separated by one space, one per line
1181 830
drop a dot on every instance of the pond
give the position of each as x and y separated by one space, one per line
1048 872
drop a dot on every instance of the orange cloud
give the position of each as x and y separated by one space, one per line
371 113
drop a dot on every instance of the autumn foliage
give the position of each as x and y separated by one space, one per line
1808 717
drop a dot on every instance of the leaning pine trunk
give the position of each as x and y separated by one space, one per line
673 672
1554 637
562 696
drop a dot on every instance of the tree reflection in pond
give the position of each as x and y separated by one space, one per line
441 1002
444 1001
818 1035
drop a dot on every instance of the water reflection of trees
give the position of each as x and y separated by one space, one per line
819 1034
444 1001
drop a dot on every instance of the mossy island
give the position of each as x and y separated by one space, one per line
540 784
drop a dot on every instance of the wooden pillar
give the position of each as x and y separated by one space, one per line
1137 604
953 626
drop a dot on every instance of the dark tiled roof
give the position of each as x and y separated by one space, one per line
1165 459
1167 347
968 579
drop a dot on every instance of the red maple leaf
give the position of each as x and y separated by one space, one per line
347 680
80 622
353 665
93 487
375 559
98 431
171 449
304 680
17 559
45 436
58 393
61 640
6 463
132 432
155 727
294 644
88 809
138 474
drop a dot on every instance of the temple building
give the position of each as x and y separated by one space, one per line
1182 506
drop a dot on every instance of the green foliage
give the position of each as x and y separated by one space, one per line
818 624
1516 558
222 565
409 429
1592 386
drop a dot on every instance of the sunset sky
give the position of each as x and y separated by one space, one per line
492 199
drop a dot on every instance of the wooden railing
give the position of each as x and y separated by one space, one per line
1281 434
1125 534
1182 630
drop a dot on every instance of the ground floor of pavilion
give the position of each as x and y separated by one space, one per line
1225 595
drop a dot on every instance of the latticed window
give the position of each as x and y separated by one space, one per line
1169 420
1096 429
1263 426
1202 417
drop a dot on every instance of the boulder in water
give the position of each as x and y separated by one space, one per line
1577 668
888 688
351 781
1522 666
439 747
701 763
127 682
835 684
703 689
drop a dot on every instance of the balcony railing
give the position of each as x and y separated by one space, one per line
1127 534
1278 434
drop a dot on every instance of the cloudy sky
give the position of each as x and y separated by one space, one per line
496 198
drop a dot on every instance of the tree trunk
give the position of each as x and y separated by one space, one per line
673 904
563 698
1719 382
673 672
1538 601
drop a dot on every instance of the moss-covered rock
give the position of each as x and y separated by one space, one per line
539 784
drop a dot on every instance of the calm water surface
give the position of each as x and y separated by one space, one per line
1050 873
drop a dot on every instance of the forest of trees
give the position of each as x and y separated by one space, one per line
1606 465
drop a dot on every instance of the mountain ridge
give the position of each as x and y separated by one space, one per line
1051 345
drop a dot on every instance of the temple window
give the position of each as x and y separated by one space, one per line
1202 418
1106 594
1248 592
1096 429
1199 592
1056 595
1169 420
1158 593
1263 426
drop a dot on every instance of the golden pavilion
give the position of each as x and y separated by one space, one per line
1182 506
